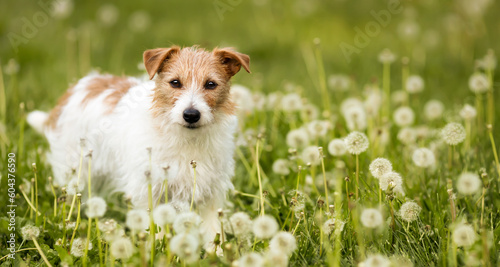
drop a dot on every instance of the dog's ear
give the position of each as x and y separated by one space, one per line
232 60
154 58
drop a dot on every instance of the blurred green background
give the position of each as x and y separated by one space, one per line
56 42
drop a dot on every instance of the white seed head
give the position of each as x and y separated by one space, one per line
74 187
394 178
377 260
409 211
423 157
407 136
371 218
309 112
121 248
404 116
276 258
297 138
281 167
187 222
186 246
329 226
356 143
28 232
468 183
453 133
479 83
239 224
414 84
339 82
291 102
283 242
464 235
318 128
137 220
349 103
311 155
264 227
78 248
468 112
379 167
243 99
337 147
251 259
96 207
355 118
164 214
433 109
386 56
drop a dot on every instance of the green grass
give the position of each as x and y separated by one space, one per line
279 37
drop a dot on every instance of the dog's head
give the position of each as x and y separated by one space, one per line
192 85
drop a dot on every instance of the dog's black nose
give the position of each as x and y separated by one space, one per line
191 115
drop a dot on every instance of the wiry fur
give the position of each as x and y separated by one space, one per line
149 115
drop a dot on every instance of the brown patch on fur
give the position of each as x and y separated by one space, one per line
119 85
193 67
56 111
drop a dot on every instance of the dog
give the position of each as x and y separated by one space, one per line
143 132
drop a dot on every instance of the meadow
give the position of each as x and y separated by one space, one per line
368 133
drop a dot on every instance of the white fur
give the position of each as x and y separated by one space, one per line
37 119
120 139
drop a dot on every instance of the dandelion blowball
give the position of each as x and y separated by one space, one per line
423 157
453 133
392 177
380 167
239 224
281 167
137 220
433 109
78 247
164 214
96 207
74 187
468 183
311 155
185 246
468 112
251 259
404 116
276 259
337 147
297 138
187 222
377 260
464 235
243 98
407 136
371 218
28 232
356 143
121 248
265 227
291 102
355 118
479 83
409 211
414 84
386 56
330 226
283 242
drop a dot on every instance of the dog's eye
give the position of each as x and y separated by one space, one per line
175 84
210 85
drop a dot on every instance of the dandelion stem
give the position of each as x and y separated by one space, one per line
194 188
357 175
36 192
55 195
89 227
262 212
99 243
77 182
29 202
77 223
41 252
386 80
324 176
321 76
493 146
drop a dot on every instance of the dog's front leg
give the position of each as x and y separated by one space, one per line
211 225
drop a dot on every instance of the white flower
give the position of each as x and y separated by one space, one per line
281 167
468 112
311 155
187 222
108 15
78 248
468 183
373 102
164 214
12 67
392 177
386 56
309 112
453 133
409 211
423 157
273 100
61 9
339 82
96 207
355 118
318 128
408 29
265 227
239 224
356 143
371 218
379 167
121 248
404 116
464 235
291 102
297 138
107 225
329 226
186 246
259 100
399 97
489 61
243 99
139 21
137 220
251 259
434 109
414 84
337 147
479 83
401 261
28 232
377 260
350 103
74 187
276 259
284 242
407 136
